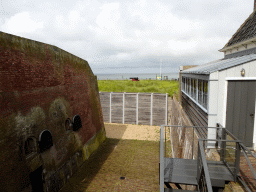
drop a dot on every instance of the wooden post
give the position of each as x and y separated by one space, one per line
137 109
110 97
123 105
166 110
151 117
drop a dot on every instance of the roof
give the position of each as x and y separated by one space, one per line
220 64
246 31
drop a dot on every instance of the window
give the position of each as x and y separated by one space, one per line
29 146
186 85
196 89
68 124
77 123
192 88
200 91
189 85
45 140
183 83
205 93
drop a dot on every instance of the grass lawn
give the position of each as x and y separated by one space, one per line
143 86
136 160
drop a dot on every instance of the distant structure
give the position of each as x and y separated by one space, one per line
134 78
50 115
223 91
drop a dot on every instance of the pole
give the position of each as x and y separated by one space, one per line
137 109
123 105
166 110
151 117
160 69
110 98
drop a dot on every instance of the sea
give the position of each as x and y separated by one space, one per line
145 76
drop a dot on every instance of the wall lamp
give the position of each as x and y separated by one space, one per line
242 72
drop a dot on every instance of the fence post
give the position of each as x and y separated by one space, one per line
110 98
151 117
137 109
166 110
123 106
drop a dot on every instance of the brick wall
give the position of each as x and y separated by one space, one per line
40 87
183 140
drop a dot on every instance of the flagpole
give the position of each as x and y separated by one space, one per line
160 69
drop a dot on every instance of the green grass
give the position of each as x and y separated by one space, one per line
136 160
142 86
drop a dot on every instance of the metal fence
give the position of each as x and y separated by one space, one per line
134 108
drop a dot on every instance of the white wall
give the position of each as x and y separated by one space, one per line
240 48
213 104
218 92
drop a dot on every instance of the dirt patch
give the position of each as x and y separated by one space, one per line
136 132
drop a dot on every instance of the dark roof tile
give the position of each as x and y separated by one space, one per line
245 32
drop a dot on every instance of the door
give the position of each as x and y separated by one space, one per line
36 180
240 110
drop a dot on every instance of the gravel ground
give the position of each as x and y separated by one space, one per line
128 131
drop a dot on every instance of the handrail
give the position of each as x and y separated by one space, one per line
246 149
222 139
203 176
249 163
192 126
244 184
161 171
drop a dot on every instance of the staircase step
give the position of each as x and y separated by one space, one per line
176 190
182 171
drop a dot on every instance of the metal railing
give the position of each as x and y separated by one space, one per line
248 182
226 145
203 176
161 157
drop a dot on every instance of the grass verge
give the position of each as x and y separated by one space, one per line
142 86
136 160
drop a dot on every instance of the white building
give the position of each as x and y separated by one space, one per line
223 91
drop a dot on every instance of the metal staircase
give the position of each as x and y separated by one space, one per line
201 173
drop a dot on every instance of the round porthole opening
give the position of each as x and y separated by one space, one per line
29 146
45 140
77 123
68 124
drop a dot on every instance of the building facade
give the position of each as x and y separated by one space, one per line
223 91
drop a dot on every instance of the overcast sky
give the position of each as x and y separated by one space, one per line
129 36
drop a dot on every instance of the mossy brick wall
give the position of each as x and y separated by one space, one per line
40 87
184 143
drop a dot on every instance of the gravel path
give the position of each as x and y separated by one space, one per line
128 131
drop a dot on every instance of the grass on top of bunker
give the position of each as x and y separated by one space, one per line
136 160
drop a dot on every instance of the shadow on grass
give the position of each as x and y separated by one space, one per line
136 160
90 167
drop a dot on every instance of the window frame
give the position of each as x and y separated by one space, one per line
198 90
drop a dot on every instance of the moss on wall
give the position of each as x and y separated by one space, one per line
92 145
32 100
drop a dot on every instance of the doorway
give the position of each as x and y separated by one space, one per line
241 109
36 180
